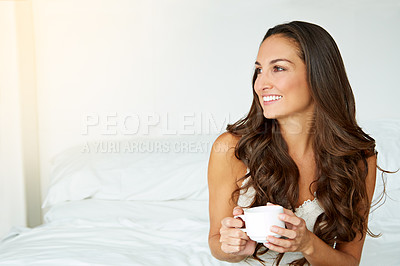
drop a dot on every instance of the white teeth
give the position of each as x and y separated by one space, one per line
271 98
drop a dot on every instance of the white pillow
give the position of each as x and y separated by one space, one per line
143 169
384 219
387 136
172 168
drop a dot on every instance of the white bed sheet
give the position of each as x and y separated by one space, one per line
102 232
99 232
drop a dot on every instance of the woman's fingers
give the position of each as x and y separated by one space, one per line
276 248
288 218
233 241
232 233
237 211
231 222
286 243
231 249
291 234
288 212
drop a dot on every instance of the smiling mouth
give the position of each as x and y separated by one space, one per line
271 98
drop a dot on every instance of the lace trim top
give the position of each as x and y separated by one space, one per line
309 211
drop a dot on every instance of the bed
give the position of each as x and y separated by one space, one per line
144 201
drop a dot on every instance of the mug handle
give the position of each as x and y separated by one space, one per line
243 218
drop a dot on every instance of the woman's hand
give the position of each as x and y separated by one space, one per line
234 240
298 236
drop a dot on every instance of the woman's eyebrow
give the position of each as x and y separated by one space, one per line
275 61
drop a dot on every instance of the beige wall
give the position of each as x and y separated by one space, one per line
12 196
29 111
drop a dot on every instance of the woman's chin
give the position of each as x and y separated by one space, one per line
270 115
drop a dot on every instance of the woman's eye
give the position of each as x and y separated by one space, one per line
258 70
278 69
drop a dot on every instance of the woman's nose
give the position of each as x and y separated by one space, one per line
263 82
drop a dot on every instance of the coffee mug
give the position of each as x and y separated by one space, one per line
258 222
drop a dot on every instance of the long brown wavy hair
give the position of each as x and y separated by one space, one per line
340 146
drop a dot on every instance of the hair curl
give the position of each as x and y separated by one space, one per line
340 145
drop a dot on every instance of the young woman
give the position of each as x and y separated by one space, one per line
299 147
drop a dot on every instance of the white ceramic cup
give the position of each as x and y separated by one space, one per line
258 221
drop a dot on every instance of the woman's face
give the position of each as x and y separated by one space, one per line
281 83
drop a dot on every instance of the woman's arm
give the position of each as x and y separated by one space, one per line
224 170
313 248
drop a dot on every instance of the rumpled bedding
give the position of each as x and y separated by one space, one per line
100 232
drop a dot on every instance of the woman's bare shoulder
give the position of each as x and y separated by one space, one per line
226 143
223 156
